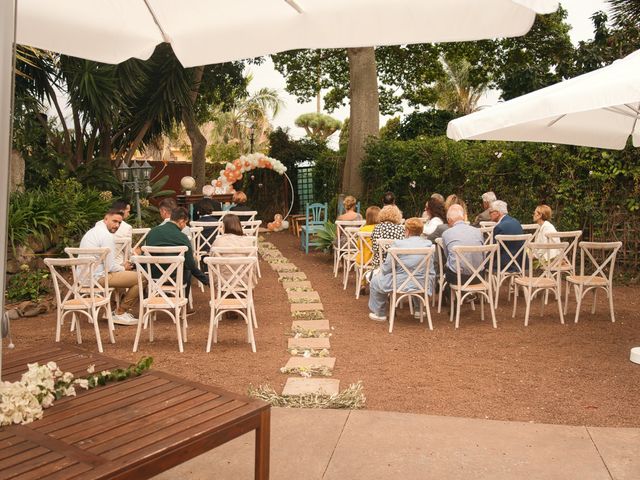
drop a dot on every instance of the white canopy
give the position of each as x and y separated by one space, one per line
212 31
597 109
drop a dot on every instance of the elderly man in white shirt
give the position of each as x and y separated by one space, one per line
165 208
120 276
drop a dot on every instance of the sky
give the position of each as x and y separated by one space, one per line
579 13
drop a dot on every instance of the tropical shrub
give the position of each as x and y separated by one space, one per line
27 284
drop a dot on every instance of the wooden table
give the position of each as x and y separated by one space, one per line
132 429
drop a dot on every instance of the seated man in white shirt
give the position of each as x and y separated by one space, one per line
167 206
101 236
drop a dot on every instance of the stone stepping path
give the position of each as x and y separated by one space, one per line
307 343
303 386
310 345
317 325
307 362
306 307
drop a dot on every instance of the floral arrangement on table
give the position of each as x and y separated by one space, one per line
308 315
308 372
233 171
350 398
24 401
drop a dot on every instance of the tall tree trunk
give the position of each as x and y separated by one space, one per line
363 116
137 141
197 139
105 140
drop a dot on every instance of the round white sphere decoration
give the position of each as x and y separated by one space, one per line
188 183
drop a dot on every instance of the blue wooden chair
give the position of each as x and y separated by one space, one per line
316 215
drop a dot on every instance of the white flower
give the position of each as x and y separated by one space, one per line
82 383
91 368
498 154
67 377
306 354
412 184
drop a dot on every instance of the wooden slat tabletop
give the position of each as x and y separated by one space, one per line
132 429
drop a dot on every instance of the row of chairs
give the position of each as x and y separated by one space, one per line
558 264
80 294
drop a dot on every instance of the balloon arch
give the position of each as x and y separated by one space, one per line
233 172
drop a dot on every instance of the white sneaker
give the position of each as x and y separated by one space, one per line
416 315
124 319
376 318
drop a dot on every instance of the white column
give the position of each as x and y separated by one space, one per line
7 31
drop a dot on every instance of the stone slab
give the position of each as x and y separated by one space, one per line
304 296
295 284
284 267
292 276
319 325
295 362
302 343
302 442
619 449
397 445
301 386
306 307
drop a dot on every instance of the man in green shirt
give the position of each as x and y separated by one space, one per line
170 234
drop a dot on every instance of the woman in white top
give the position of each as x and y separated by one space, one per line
541 216
436 215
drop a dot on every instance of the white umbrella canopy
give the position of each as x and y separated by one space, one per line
597 109
202 32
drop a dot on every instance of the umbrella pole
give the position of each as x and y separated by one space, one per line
7 58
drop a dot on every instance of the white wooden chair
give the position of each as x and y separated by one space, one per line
411 287
78 292
241 252
138 235
169 251
123 250
342 246
163 294
531 228
568 265
383 246
251 227
479 281
543 279
247 216
487 234
487 224
349 252
233 292
99 255
441 280
514 267
360 266
205 237
601 259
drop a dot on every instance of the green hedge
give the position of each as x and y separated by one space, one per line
584 186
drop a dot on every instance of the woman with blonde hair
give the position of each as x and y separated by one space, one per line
453 199
350 213
389 227
541 215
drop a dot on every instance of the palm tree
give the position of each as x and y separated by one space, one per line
246 116
625 11
455 92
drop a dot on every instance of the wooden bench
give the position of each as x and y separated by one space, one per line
132 429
